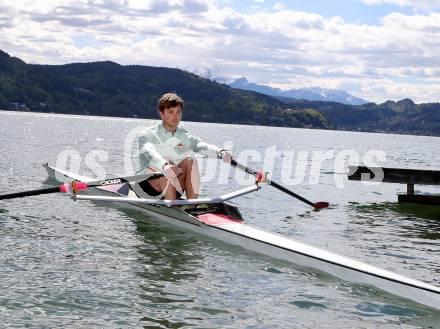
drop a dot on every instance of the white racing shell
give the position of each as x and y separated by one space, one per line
233 230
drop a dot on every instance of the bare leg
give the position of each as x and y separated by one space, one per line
189 181
190 178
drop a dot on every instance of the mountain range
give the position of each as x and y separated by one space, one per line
109 89
307 93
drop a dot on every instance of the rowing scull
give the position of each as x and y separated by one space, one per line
219 220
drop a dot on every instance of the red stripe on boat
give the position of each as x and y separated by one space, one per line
217 219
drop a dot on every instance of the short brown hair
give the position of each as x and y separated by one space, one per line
169 100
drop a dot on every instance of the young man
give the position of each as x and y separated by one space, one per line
168 148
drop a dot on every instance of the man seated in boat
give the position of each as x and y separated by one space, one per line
169 149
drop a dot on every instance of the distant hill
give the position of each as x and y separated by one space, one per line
403 117
309 93
110 89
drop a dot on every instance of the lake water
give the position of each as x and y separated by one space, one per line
78 264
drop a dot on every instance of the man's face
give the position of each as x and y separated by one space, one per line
171 117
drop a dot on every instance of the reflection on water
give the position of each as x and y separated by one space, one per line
408 210
168 254
170 258
408 219
419 211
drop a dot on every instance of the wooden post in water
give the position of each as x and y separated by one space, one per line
410 189
410 177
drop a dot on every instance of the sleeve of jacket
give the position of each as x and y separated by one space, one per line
148 155
198 145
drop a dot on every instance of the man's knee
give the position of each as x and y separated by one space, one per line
187 164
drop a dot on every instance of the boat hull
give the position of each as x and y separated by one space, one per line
233 231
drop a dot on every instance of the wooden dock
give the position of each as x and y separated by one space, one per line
410 177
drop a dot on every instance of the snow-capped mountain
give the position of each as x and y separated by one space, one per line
309 93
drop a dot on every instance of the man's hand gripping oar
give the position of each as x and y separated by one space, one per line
315 205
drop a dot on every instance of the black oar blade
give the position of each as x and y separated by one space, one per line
321 205
47 190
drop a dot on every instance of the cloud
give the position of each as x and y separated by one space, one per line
281 47
160 7
424 4
80 22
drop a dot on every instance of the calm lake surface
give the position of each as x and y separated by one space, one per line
79 264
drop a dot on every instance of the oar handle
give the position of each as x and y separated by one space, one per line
242 167
317 205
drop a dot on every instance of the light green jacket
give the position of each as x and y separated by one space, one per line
158 146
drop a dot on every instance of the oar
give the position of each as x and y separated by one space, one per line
77 186
317 205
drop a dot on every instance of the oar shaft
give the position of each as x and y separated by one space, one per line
48 190
77 186
279 186
287 191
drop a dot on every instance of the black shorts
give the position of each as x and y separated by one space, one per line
151 191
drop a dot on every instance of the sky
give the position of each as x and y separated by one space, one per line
374 49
